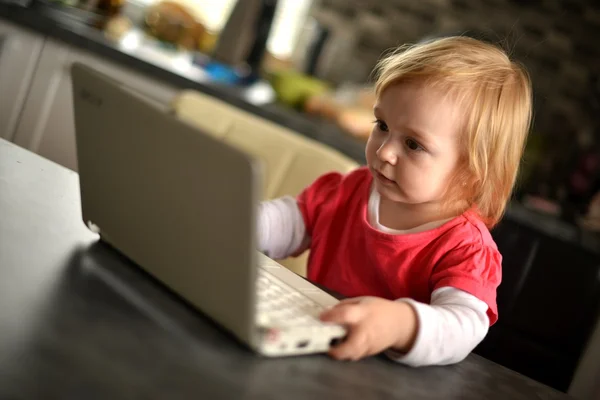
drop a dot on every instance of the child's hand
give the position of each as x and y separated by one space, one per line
374 325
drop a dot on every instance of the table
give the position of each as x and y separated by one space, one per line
77 320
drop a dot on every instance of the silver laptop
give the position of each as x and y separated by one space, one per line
183 206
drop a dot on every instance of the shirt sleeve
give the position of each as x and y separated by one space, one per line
474 269
449 328
281 230
316 197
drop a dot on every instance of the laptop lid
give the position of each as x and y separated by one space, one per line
178 202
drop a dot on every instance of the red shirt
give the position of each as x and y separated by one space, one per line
351 257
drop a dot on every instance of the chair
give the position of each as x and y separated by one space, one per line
548 304
291 161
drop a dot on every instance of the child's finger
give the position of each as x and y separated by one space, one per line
353 348
352 300
343 314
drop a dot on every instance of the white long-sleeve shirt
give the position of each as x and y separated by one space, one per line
449 327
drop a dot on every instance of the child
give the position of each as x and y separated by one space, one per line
406 237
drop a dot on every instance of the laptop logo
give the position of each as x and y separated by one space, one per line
90 98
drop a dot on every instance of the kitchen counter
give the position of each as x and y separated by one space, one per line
158 65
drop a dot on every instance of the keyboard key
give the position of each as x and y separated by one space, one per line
282 305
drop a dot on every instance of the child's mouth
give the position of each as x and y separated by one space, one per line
383 179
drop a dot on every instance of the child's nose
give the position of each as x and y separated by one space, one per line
388 153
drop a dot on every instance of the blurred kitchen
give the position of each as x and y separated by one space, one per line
305 65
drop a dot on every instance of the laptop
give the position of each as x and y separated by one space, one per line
183 206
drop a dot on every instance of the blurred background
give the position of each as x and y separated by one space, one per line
318 56
338 43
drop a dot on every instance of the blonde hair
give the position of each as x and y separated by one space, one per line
496 97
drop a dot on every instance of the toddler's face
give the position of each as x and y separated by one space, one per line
414 146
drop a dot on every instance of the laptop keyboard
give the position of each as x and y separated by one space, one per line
282 305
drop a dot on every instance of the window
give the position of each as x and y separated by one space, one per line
289 18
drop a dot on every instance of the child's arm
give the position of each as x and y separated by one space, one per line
281 229
415 334
285 224
449 329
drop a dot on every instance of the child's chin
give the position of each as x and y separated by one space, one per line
397 195
391 194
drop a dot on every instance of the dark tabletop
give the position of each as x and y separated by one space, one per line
78 321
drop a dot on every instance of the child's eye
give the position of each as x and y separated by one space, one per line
381 125
413 145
